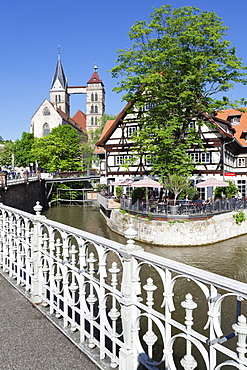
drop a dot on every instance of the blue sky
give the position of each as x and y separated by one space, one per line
87 31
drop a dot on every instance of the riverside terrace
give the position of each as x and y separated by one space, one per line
124 307
183 208
162 210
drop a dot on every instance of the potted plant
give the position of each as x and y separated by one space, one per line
176 184
119 191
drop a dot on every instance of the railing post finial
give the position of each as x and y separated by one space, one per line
130 234
38 208
240 329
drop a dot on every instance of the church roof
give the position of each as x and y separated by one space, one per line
59 74
80 119
68 120
95 76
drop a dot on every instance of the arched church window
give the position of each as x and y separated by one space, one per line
59 98
92 97
46 129
96 97
92 109
92 120
46 111
95 109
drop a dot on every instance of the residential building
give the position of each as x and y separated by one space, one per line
224 155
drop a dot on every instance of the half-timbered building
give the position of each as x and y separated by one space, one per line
224 152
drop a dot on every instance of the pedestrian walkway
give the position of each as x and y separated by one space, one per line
29 341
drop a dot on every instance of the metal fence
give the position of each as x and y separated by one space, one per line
8 180
124 305
156 207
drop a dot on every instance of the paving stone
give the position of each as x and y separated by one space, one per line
29 341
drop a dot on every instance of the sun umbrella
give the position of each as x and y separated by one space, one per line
125 182
146 183
212 182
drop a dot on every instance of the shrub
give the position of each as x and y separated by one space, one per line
239 217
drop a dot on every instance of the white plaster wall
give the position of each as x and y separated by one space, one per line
212 230
38 119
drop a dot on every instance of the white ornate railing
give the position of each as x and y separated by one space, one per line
125 305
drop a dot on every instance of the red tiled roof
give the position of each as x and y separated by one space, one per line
99 150
94 78
111 125
80 119
69 120
239 128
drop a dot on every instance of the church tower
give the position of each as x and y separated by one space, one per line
95 101
59 96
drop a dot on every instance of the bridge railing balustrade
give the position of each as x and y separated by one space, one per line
124 305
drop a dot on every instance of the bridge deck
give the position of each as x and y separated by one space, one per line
29 340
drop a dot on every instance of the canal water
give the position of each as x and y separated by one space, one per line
227 258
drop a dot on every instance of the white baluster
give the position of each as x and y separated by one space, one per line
114 312
36 295
1 240
240 329
58 277
45 268
73 286
150 338
91 299
58 249
126 357
188 362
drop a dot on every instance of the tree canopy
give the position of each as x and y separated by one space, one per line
59 151
22 150
177 63
6 155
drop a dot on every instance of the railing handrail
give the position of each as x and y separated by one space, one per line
55 264
178 267
205 276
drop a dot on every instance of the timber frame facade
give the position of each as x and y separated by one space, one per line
224 157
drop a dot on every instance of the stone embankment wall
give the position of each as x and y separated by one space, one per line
187 233
24 196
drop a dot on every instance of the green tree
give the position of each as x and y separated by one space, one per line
23 150
59 151
177 63
228 191
176 184
6 155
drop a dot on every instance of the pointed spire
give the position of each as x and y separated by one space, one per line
95 76
59 73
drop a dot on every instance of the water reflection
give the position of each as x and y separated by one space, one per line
226 258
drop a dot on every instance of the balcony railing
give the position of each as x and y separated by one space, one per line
123 305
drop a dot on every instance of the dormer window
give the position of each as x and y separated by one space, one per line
235 120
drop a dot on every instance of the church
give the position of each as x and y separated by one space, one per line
56 111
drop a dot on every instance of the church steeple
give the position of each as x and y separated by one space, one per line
58 93
95 103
